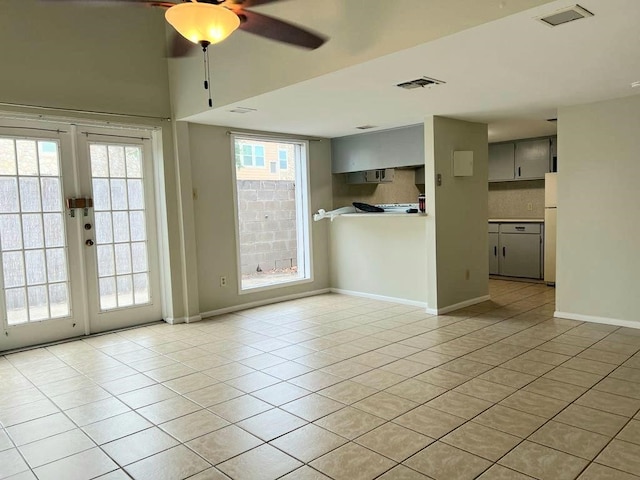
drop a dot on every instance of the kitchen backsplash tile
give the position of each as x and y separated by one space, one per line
510 199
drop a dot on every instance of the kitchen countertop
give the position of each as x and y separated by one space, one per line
383 214
516 220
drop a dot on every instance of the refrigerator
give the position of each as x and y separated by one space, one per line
550 225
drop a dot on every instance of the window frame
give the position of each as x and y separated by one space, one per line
303 212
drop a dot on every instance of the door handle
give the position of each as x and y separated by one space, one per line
519 171
504 251
495 251
89 243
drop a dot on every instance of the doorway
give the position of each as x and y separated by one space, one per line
77 231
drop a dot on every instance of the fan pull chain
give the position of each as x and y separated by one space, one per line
209 79
207 70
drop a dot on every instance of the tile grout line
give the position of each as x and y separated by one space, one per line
398 358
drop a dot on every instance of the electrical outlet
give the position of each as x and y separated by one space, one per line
223 281
530 206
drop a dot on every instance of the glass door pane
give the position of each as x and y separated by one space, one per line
120 225
33 244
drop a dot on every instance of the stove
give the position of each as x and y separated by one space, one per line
397 207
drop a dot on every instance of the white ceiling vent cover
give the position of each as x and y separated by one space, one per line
419 83
565 15
242 110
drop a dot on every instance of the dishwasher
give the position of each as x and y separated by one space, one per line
520 247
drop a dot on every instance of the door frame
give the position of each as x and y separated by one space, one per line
65 129
124 136
41 331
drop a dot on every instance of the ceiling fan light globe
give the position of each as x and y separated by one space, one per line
202 22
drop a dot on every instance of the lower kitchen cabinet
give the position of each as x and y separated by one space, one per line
494 243
515 250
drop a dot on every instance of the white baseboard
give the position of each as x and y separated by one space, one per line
174 320
593 319
177 320
457 306
383 298
259 303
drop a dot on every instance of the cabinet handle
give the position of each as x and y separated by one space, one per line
519 173
520 229
504 251
495 251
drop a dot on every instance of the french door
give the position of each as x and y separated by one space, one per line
77 232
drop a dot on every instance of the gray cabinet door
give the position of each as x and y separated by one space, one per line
501 161
494 266
532 158
400 147
520 255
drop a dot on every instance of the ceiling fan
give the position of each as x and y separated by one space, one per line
205 22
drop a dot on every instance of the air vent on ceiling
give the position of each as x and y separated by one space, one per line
419 83
565 15
366 127
242 110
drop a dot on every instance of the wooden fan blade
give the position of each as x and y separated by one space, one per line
252 3
269 27
180 46
150 3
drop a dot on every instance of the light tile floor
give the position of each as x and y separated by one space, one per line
333 387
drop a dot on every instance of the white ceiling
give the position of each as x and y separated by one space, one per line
512 73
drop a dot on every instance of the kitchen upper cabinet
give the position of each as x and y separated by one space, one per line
384 175
519 160
553 163
501 161
532 158
400 147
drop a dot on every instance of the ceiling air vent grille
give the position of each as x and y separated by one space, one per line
565 15
242 110
419 83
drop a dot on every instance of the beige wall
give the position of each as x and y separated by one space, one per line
215 235
598 260
510 199
108 58
403 189
380 255
457 221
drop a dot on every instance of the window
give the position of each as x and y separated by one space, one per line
251 155
283 158
272 214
